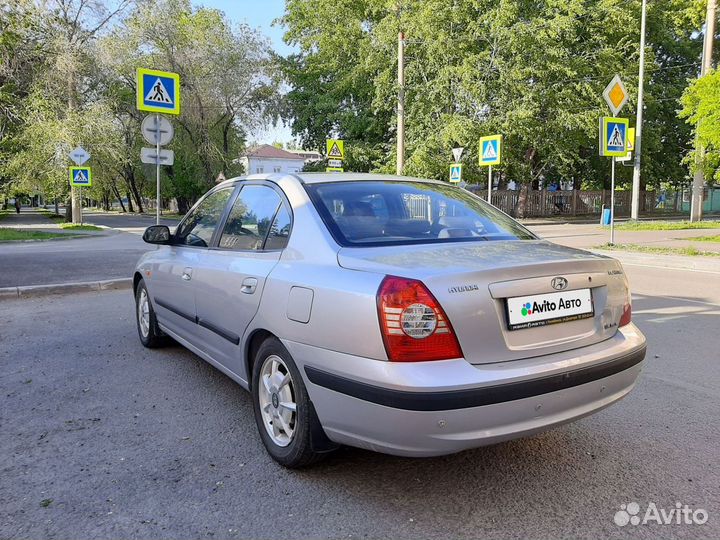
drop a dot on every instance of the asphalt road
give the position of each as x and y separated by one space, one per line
93 258
100 438
72 260
123 221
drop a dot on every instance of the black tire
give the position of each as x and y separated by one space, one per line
299 452
154 337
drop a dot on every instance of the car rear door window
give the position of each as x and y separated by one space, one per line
257 214
280 230
198 227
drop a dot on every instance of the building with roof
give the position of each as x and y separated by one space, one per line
270 159
308 155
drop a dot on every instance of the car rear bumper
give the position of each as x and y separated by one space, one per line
435 408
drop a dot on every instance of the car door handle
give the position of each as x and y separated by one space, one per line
187 274
249 285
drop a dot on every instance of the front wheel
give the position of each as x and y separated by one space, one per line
148 330
283 411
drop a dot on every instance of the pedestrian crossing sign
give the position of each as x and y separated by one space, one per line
80 177
158 91
613 136
455 172
631 139
490 150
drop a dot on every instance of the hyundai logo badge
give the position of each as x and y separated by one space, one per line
559 283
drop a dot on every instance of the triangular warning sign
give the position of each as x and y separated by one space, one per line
158 93
335 151
489 152
80 177
616 138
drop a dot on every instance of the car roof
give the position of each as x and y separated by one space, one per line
320 177
316 178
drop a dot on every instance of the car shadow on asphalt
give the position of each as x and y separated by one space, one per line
536 469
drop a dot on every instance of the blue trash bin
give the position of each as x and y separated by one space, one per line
605 217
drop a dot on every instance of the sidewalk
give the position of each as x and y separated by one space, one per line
32 220
586 236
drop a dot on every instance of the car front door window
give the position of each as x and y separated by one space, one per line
198 228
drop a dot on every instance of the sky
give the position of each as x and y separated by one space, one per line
258 14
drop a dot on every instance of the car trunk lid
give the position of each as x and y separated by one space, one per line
473 282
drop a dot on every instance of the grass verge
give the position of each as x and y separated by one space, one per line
666 225
715 238
687 251
78 227
14 235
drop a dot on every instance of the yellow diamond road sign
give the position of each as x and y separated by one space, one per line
615 95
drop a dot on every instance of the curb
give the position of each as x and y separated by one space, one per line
27 291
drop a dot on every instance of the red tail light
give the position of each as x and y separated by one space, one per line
414 326
627 314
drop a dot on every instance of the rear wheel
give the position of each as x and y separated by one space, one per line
283 411
148 330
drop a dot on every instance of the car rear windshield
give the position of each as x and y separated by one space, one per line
375 213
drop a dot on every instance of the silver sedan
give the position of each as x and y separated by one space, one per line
401 315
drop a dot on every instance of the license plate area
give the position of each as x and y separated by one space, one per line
535 310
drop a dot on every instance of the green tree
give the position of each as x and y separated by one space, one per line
228 82
61 105
533 71
701 109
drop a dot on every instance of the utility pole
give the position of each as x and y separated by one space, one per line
75 199
699 178
635 211
401 105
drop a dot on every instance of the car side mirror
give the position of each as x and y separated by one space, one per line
157 234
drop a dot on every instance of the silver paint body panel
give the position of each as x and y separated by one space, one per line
319 299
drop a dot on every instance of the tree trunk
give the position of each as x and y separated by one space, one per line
183 205
130 204
502 182
69 209
521 207
116 192
129 175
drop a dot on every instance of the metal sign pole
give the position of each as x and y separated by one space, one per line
490 184
612 203
157 168
81 208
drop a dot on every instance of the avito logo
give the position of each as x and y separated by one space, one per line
547 306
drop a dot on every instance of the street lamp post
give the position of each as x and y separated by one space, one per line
635 210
